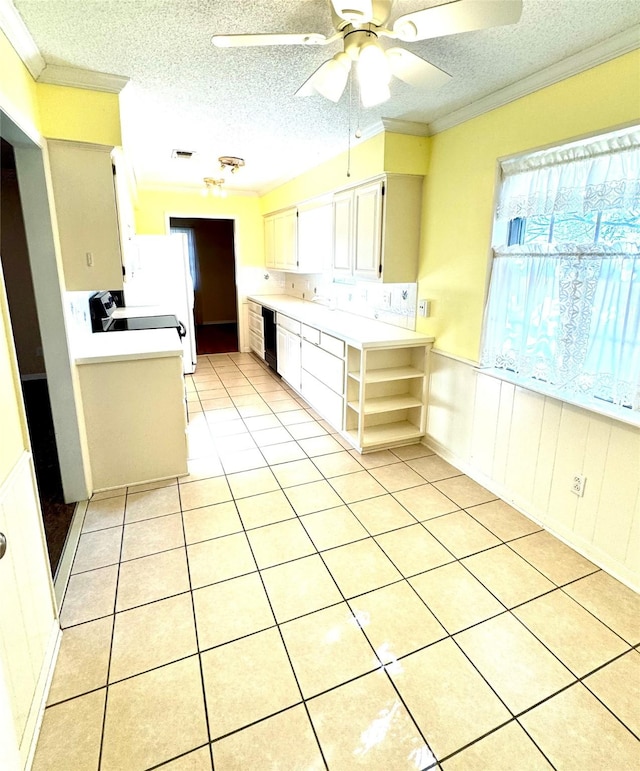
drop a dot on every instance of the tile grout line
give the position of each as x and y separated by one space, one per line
195 629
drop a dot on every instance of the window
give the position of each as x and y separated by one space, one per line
564 297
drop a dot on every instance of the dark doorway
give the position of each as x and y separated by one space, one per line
213 269
14 253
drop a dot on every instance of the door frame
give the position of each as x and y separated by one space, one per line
243 337
36 198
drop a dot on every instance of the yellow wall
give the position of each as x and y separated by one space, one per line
153 206
367 159
79 114
400 153
459 190
18 91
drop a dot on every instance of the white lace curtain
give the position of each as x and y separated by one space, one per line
603 174
569 314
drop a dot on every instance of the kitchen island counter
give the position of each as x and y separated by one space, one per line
133 401
102 347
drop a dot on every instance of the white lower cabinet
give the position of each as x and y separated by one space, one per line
322 377
256 328
288 350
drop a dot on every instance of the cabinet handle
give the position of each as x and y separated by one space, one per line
3 545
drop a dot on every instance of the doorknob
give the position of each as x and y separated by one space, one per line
3 545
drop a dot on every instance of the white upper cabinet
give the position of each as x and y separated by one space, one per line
315 236
86 212
270 241
377 229
342 233
280 240
368 230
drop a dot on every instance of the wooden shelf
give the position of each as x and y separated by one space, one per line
389 373
388 433
387 404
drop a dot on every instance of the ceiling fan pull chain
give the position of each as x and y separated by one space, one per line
349 124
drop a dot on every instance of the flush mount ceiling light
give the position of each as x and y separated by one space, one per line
230 162
360 24
214 187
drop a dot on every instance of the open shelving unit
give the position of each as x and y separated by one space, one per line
386 396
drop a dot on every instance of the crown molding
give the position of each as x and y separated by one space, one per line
75 77
18 35
405 127
608 49
189 187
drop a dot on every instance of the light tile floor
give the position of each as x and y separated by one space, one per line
292 604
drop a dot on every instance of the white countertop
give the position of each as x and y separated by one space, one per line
355 330
100 347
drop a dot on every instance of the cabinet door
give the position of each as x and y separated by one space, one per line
315 237
281 350
368 227
85 200
285 240
270 242
342 229
293 360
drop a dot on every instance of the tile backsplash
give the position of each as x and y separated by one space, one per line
392 303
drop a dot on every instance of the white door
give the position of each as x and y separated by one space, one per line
293 360
29 624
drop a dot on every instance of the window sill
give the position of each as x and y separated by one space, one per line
623 414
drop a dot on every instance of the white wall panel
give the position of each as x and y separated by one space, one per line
572 440
485 422
546 454
526 447
593 467
502 448
619 491
524 441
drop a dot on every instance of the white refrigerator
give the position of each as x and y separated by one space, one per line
158 281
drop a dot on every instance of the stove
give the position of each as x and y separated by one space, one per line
102 306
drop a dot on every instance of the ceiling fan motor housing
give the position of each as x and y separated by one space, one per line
348 12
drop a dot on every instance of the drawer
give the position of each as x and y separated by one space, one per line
322 399
332 344
254 307
324 366
286 323
311 334
256 323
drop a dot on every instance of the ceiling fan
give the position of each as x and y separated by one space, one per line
361 24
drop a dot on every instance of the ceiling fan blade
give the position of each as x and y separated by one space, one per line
456 16
244 41
414 70
329 80
354 11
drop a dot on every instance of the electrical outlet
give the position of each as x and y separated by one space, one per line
578 481
386 299
423 307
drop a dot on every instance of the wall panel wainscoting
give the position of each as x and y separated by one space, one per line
526 447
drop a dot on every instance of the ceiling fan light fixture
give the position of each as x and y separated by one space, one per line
374 75
331 79
214 187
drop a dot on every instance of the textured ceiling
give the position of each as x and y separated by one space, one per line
186 94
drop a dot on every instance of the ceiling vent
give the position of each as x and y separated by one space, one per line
182 155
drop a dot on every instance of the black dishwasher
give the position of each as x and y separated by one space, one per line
270 349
